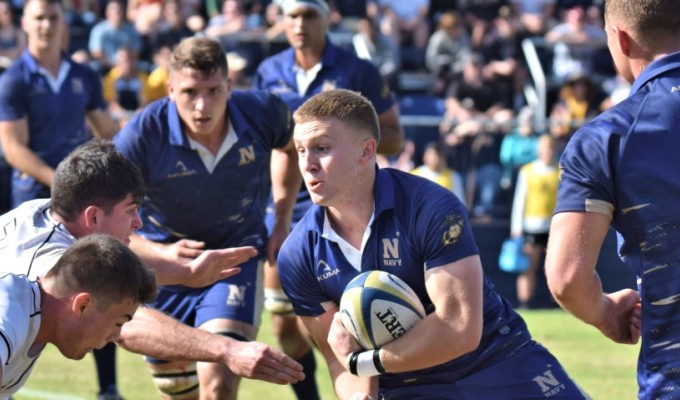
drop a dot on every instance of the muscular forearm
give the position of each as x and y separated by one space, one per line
286 181
168 271
155 334
26 161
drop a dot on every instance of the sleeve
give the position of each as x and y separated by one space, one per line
586 176
374 87
446 232
13 319
95 42
132 144
13 96
281 121
295 265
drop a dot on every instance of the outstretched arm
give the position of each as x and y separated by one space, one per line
573 248
155 334
185 262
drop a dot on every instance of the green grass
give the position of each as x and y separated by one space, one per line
604 369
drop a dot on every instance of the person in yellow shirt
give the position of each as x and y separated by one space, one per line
157 81
124 86
435 169
532 209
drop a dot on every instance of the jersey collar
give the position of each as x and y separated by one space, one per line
656 68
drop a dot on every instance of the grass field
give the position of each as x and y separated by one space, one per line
604 369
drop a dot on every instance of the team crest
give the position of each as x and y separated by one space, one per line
453 228
77 85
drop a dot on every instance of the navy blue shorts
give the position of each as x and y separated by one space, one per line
238 298
533 373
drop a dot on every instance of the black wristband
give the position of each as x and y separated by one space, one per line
352 362
376 361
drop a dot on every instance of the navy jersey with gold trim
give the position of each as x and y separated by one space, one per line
184 200
418 225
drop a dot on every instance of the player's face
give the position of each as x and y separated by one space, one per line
93 329
43 24
332 159
201 101
305 28
121 222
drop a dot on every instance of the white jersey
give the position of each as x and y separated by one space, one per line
19 323
31 241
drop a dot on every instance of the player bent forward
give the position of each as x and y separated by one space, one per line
79 305
472 344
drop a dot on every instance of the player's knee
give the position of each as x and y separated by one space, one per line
277 303
177 383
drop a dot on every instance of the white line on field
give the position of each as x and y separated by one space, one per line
47 395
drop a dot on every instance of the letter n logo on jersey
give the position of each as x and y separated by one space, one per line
547 381
237 296
247 155
391 252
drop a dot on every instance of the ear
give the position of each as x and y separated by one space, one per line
90 216
624 41
368 149
81 303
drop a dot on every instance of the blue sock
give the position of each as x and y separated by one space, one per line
306 390
105 358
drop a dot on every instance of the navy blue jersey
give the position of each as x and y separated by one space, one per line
417 225
183 200
624 164
56 115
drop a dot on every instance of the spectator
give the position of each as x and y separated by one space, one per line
578 101
532 209
535 16
574 28
406 21
370 44
124 87
12 39
436 169
157 81
518 147
447 49
111 34
237 68
479 15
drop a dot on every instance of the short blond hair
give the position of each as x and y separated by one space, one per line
654 23
346 106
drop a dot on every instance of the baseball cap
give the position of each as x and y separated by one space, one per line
289 6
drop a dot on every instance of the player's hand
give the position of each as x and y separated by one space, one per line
185 249
622 321
214 265
361 396
256 360
340 340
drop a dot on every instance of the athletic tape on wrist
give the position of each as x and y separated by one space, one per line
365 364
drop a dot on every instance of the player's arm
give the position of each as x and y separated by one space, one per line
286 181
155 334
573 248
345 384
14 139
185 262
456 292
391 133
101 123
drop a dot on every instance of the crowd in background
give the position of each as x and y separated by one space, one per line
461 62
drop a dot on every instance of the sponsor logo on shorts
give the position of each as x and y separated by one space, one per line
550 386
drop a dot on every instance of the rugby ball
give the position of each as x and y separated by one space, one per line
377 307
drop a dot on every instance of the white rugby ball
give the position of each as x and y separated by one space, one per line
377 307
